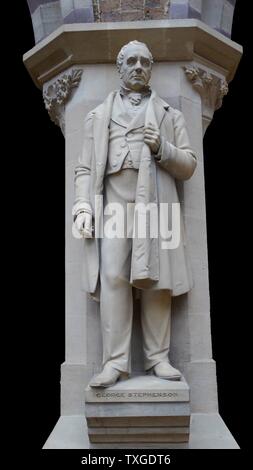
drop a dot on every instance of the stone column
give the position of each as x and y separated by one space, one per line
193 64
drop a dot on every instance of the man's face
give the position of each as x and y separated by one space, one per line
136 67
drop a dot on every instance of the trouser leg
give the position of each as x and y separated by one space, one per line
116 301
156 326
116 308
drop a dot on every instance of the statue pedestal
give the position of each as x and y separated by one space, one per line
208 431
141 409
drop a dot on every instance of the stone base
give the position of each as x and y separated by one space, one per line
208 431
150 435
143 409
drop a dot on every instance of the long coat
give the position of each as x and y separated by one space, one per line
177 162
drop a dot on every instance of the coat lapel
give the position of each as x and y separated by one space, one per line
154 113
156 110
119 113
121 116
101 138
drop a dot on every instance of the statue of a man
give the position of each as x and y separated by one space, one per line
135 147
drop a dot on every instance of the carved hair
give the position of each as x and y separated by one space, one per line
122 52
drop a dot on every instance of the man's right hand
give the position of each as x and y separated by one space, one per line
82 226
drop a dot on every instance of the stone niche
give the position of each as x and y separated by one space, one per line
193 66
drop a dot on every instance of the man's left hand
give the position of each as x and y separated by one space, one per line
152 138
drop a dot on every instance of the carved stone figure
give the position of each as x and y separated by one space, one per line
135 148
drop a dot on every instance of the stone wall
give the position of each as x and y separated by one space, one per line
219 14
48 15
131 10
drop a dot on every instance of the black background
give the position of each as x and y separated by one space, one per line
38 168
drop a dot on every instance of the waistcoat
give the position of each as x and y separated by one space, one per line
125 138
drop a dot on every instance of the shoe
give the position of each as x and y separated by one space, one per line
164 370
107 377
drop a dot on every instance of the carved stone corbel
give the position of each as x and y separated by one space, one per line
57 94
211 88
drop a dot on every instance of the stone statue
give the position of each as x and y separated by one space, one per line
135 147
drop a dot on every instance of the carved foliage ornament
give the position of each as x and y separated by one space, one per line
58 93
211 88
